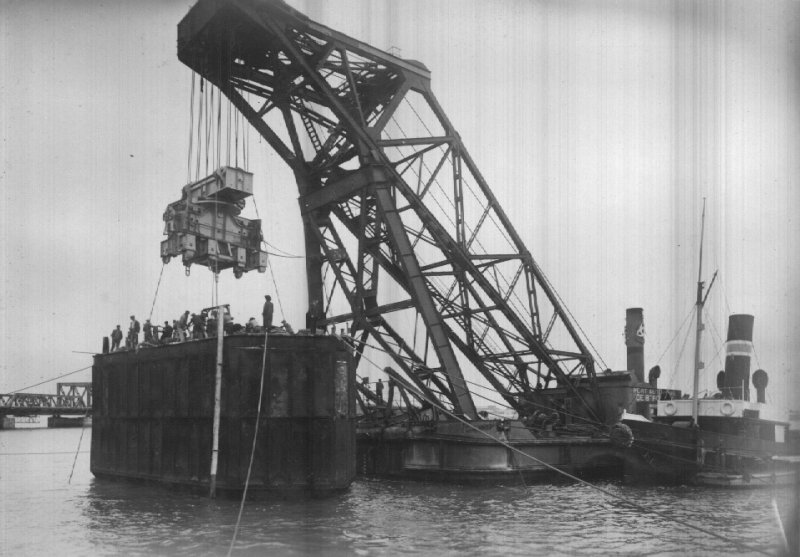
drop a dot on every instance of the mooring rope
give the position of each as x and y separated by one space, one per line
577 479
48 380
78 450
253 449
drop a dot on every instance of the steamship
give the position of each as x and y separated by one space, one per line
722 440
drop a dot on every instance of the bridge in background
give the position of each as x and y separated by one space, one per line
71 399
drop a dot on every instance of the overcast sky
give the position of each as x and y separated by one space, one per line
600 127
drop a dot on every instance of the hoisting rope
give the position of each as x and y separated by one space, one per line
191 132
277 294
625 500
153 305
253 449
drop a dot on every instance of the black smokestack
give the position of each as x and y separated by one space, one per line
738 350
760 380
721 381
653 375
634 340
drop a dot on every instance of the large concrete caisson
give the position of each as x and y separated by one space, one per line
153 409
738 351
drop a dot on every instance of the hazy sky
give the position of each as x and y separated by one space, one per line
600 127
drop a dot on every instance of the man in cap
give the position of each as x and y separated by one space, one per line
166 332
133 332
116 338
266 313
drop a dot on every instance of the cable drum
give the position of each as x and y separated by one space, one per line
621 435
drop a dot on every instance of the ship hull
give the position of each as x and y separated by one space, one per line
668 453
441 453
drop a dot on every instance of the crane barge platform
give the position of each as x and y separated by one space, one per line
407 251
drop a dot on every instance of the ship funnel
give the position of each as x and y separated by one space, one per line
634 340
653 375
760 380
721 381
738 350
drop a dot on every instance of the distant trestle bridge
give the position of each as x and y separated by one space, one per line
71 399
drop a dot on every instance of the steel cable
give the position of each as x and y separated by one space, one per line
255 440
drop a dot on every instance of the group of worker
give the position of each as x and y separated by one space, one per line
188 325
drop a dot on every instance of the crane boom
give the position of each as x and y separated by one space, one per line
387 189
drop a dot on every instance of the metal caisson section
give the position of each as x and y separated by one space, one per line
153 409
387 189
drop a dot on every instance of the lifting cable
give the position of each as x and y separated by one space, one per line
191 132
277 294
153 305
625 500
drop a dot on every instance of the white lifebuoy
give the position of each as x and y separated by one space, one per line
726 409
670 409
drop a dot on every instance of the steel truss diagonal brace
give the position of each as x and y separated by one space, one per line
419 292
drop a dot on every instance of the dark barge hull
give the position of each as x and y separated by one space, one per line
153 415
685 455
451 452
62 421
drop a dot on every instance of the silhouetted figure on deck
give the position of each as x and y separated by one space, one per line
183 326
379 390
133 333
116 338
166 332
148 332
211 324
198 327
267 312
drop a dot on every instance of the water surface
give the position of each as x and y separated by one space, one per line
41 513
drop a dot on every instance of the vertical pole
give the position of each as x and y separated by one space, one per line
698 365
217 402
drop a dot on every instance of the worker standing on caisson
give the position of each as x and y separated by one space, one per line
148 332
116 338
183 326
166 332
197 327
133 332
267 312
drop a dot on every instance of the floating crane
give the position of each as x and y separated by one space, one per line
391 202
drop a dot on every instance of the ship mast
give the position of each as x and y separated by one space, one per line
699 303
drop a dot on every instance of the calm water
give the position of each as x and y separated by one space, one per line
40 514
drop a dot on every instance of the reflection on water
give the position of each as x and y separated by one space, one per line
41 512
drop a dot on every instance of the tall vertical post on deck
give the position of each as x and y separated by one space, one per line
217 401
